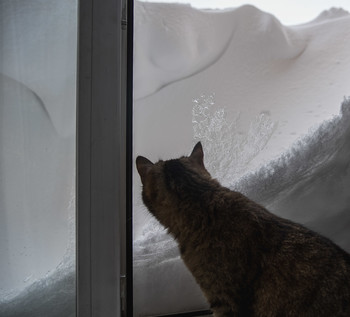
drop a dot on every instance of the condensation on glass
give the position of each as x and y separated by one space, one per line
38 48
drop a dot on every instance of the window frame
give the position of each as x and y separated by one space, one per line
105 159
103 191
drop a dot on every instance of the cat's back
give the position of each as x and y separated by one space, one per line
300 272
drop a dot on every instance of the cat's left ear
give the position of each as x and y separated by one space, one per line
197 154
143 166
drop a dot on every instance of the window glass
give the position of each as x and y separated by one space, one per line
38 48
267 102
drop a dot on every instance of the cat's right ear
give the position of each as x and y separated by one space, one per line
143 166
197 154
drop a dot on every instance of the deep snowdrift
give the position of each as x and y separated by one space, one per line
294 77
188 41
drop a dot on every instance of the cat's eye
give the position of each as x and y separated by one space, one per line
87 86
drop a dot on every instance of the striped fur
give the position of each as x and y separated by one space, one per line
247 261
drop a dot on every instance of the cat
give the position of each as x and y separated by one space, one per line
246 260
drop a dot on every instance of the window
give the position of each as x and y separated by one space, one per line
39 70
247 102
249 88
37 157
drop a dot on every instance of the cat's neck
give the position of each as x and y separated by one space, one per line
197 212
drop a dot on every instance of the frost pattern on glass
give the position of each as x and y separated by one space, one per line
228 151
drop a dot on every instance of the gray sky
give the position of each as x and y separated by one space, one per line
289 12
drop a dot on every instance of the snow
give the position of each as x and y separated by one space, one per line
332 13
297 89
264 99
289 12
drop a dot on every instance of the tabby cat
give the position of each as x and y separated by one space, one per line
247 261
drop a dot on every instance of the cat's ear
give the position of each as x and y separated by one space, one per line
197 154
143 167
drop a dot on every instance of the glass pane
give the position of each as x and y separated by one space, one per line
267 102
38 49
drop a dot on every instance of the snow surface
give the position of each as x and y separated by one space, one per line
289 12
264 99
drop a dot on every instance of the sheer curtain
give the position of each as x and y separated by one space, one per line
38 48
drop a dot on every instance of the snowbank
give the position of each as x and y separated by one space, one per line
294 77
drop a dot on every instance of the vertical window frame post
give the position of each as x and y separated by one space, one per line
102 168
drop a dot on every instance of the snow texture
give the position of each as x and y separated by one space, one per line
263 98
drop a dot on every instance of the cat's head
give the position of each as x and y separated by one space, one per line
166 183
